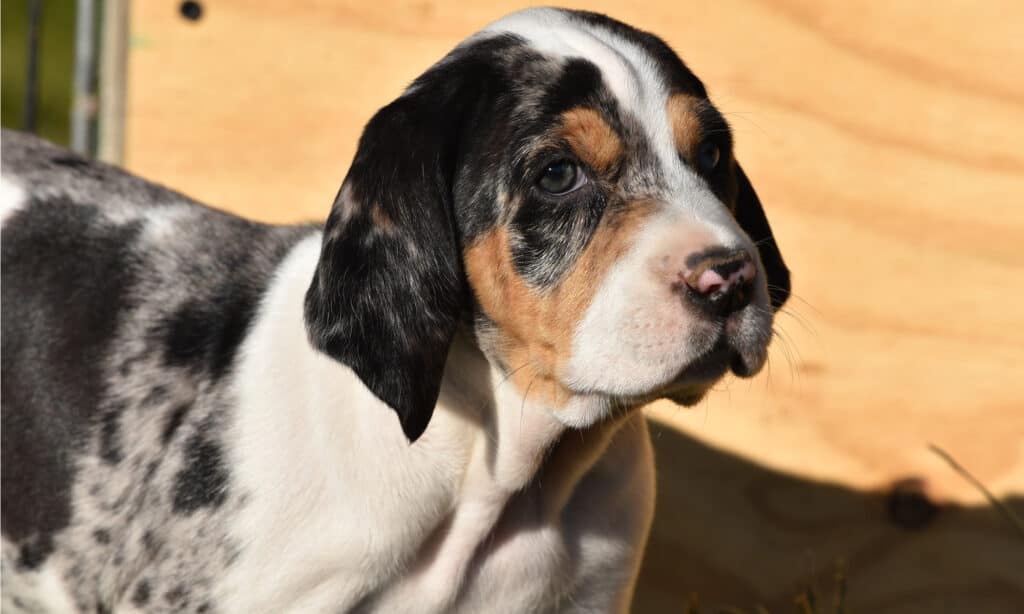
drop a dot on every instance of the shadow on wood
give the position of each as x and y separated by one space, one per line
738 534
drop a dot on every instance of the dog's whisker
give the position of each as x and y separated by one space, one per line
802 320
789 351
745 116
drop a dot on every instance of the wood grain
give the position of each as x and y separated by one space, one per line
887 142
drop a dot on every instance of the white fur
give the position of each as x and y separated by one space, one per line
12 198
42 590
553 32
342 508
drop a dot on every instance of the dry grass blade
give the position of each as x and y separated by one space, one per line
1010 516
839 603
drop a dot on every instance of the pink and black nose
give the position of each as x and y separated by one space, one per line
720 281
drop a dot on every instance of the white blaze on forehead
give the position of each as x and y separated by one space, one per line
627 69
553 32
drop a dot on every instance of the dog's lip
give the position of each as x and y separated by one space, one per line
691 383
694 380
708 367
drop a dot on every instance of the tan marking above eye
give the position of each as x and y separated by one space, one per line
688 133
536 327
592 138
686 126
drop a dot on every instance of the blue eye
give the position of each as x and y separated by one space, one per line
708 155
561 177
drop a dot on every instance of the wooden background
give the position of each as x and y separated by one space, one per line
887 141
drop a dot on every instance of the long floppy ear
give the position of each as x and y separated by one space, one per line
388 291
751 217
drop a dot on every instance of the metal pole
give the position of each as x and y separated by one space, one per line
83 104
32 70
113 74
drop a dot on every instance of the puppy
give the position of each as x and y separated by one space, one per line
426 405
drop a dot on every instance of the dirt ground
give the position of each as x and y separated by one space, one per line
886 142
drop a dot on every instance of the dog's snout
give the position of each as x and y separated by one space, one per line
720 280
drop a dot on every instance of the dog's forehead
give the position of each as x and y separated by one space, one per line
627 70
639 78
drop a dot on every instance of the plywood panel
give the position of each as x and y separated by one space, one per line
887 142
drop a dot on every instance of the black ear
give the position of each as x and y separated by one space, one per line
751 217
389 288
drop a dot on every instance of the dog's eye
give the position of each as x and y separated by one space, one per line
708 155
561 177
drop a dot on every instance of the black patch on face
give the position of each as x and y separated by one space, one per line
678 76
482 160
551 232
203 481
578 85
62 296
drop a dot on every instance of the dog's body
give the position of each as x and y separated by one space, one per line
196 407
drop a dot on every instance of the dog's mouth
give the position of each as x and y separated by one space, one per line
694 380
738 344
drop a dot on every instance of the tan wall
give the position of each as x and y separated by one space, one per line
887 141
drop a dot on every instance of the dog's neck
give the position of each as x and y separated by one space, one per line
518 444
489 460
517 434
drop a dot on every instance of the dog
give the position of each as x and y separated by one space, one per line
427 404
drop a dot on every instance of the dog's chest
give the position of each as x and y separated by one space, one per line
445 562
435 527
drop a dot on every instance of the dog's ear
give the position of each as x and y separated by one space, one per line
389 290
751 217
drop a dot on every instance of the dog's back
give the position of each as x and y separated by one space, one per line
123 305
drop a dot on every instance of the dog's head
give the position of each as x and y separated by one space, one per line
561 181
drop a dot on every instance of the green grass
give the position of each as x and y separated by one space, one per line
56 56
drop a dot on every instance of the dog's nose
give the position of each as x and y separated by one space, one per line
720 280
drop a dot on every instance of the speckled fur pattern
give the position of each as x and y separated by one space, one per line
426 405
139 510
